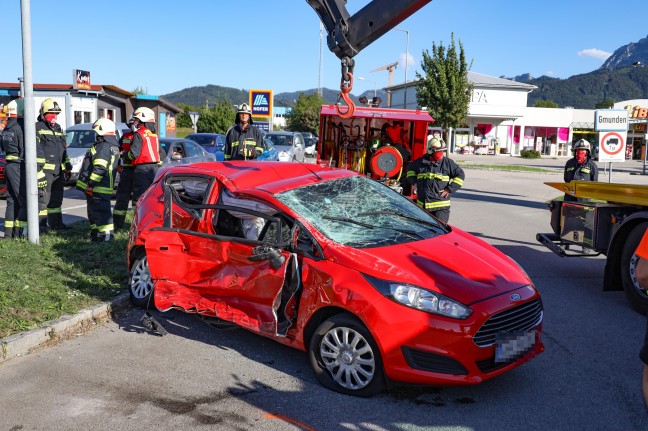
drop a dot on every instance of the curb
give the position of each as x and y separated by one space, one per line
59 329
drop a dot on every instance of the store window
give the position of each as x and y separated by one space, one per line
81 117
107 113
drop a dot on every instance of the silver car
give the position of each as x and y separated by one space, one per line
184 151
290 145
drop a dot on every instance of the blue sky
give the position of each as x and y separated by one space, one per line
165 46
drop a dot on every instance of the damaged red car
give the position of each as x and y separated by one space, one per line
375 289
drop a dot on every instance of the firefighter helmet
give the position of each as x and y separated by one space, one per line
103 127
145 115
582 145
50 106
435 144
243 108
15 108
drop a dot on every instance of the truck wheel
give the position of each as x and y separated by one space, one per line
637 296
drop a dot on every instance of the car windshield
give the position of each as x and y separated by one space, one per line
80 138
362 213
281 140
205 141
165 145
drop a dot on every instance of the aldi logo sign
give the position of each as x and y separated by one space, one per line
261 102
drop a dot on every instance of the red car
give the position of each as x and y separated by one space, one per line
336 264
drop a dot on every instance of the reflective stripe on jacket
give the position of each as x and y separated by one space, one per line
145 147
431 177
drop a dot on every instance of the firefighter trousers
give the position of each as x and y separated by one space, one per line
16 211
124 196
55 188
442 214
100 217
143 176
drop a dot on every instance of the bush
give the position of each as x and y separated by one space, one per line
530 154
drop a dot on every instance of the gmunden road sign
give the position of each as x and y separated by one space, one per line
611 120
612 146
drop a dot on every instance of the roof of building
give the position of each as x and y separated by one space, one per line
480 80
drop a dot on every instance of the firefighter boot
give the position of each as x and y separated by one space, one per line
94 235
9 232
55 221
42 226
118 221
105 236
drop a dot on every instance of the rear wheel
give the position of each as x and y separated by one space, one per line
637 296
345 357
140 283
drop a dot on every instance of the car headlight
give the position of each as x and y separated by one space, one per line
420 298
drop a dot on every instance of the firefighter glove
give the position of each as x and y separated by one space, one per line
89 192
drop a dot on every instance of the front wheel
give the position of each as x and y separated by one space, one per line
345 357
637 296
140 283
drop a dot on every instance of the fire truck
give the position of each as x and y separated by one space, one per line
611 224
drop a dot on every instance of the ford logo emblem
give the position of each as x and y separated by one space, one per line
515 297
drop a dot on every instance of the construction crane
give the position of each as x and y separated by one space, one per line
390 68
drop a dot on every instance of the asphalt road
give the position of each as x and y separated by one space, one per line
120 377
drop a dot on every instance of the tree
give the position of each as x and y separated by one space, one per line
542 103
445 89
140 90
604 104
304 116
217 119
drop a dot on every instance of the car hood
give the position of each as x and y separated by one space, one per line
76 152
457 265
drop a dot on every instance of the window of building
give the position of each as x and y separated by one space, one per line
82 117
107 113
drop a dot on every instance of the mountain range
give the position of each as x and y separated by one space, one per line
623 76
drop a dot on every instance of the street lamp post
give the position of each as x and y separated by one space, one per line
406 63
374 83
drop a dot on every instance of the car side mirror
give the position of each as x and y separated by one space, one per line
176 157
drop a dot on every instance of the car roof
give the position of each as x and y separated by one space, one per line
88 126
265 176
205 134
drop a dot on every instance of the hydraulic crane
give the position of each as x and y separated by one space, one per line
390 68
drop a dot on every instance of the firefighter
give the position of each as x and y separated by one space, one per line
581 167
57 167
144 153
97 179
243 141
13 145
125 186
436 177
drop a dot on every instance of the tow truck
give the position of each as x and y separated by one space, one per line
612 223
358 138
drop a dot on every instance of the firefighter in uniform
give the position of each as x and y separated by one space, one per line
97 179
436 177
13 144
581 167
125 186
51 140
144 153
243 141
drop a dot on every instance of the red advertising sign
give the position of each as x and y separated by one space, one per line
81 79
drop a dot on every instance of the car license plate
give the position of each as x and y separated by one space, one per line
512 346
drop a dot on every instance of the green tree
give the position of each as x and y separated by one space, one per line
183 119
542 103
304 116
217 119
444 88
140 90
604 104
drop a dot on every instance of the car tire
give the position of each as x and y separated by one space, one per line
637 297
140 284
345 357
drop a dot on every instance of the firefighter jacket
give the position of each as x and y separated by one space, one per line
243 144
124 147
51 141
431 177
145 148
12 142
100 166
588 171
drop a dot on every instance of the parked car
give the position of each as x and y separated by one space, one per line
270 153
373 287
79 139
212 142
184 151
311 146
290 145
3 179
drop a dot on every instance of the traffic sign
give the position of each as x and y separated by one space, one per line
612 146
611 120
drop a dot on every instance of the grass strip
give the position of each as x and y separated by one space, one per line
508 168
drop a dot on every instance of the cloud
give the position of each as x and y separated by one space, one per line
410 60
550 73
596 53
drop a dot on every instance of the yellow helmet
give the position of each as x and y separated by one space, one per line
15 108
435 144
145 115
103 127
50 106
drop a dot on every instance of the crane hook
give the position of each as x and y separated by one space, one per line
346 84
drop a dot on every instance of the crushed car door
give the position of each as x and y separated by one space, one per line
235 280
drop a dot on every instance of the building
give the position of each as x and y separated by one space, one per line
500 122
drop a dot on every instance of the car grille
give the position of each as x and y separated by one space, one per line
426 361
517 319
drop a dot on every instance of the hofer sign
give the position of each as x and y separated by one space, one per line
261 102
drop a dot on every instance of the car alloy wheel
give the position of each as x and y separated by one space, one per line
345 357
141 285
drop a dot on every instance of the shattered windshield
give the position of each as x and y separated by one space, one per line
360 212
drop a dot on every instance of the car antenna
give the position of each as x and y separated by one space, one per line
306 166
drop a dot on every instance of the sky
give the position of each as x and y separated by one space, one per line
275 44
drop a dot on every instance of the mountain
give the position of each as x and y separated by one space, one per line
628 55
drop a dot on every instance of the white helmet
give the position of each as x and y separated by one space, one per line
15 108
103 127
145 115
435 144
582 144
243 109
